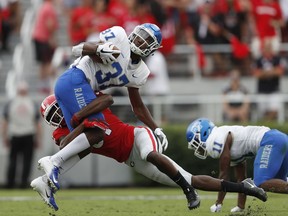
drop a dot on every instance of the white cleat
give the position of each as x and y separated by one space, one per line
51 171
237 209
40 185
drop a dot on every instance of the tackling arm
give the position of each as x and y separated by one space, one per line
97 105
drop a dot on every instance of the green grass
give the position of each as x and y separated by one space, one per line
131 202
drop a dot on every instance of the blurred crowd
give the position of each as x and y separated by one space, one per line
243 24
253 30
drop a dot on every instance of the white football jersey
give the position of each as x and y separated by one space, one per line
120 73
245 141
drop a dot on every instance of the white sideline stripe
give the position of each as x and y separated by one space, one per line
139 197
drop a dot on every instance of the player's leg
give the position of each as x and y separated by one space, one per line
147 146
208 183
43 186
271 162
52 164
73 92
12 163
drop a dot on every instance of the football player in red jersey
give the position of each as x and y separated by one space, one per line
135 146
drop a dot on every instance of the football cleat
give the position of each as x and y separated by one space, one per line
193 198
237 209
40 185
252 190
51 171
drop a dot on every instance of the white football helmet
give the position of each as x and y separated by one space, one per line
145 39
197 133
51 112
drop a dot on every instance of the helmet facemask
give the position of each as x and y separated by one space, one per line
55 117
142 41
198 146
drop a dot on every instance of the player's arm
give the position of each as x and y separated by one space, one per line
99 104
144 115
101 52
140 109
102 102
240 174
224 165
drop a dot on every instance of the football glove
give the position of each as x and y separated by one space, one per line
105 52
216 208
162 138
237 209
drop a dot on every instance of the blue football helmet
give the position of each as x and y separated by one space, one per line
197 133
145 39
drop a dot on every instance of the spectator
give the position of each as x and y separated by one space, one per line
164 16
79 22
44 36
268 70
100 20
204 29
266 19
236 103
21 133
232 18
284 30
138 12
9 21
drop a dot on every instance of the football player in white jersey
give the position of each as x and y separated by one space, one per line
232 145
115 60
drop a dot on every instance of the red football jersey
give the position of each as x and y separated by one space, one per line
117 145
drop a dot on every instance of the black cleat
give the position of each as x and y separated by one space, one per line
252 190
193 198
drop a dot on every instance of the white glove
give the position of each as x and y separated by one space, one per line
237 209
105 52
162 138
216 208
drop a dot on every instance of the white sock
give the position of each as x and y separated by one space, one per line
68 164
76 146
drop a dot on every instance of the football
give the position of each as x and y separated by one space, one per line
97 58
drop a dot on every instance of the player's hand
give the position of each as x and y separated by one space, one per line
75 121
216 208
237 209
106 52
162 137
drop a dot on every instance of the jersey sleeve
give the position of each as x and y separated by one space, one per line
216 141
58 133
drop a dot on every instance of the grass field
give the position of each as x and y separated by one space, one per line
131 202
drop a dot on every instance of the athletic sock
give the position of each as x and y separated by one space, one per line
68 164
232 187
181 181
76 146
